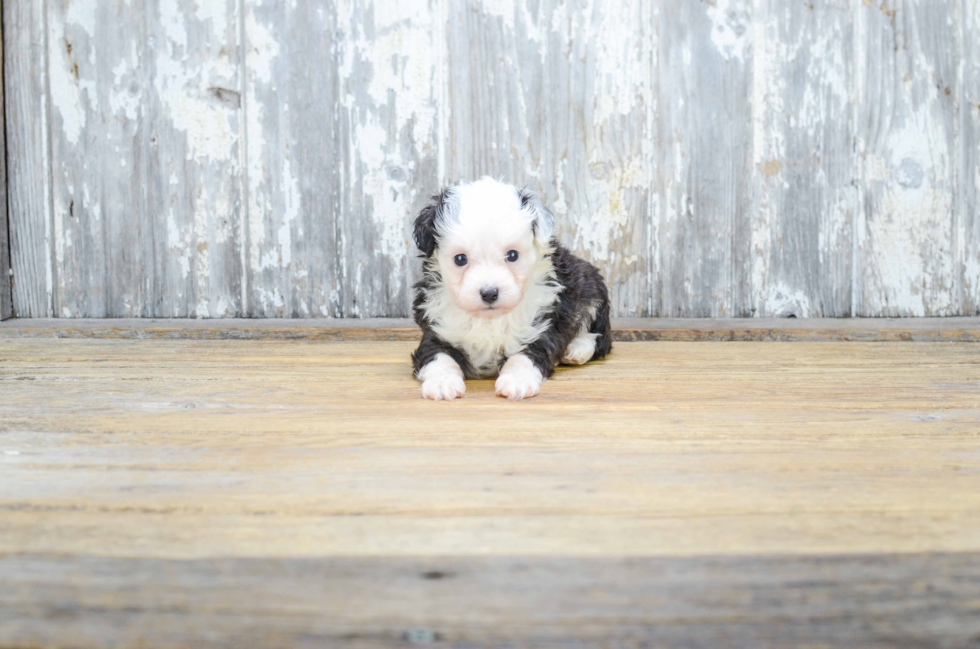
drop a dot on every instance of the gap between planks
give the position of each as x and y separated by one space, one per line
955 329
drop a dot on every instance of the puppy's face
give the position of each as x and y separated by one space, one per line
486 240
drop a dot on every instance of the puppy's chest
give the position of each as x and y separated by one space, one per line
487 344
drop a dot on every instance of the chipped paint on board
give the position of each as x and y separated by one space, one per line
181 84
730 21
729 157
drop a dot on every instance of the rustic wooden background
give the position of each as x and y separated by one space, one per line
720 158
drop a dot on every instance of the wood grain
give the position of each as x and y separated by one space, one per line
295 160
97 244
968 223
6 297
299 493
624 329
28 165
803 155
342 154
289 448
559 96
390 115
144 158
908 52
915 600
705 137
728 158
192 130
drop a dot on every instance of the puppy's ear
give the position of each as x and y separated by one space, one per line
425 224
543 224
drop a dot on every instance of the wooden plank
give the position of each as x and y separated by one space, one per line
907 88
803 156
28 169
915 600
624 329
672 151
705 141
145 159
192 126
968 230
294 262
286 493
559 96
6 297
96 157
190 449
342 155
390 114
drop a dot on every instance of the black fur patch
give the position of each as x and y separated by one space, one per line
584 288
425 224
543 218
526 197
432 344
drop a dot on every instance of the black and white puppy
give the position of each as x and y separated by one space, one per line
499 296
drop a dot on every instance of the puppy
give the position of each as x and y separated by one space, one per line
499 296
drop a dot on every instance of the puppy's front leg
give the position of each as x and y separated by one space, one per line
442 379
519 378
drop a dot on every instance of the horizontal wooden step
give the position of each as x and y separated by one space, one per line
625 329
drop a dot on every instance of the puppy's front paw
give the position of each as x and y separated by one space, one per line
442 380
444 387
519 379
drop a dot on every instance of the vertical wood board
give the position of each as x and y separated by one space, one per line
727 158
343 151
803 161
968 213
907 54
6 298
144 138
559 97
705 126
28 169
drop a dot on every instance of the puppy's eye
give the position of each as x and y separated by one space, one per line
460 260
512 255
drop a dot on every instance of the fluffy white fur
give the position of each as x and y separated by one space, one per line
489 223
519 378
442 379
580 350
583 346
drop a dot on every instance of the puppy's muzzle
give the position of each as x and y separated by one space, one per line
489 295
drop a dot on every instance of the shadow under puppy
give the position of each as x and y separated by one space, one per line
499 296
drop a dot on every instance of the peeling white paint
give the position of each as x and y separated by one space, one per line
214 12
602 168
263 49
730 22
906 244
292 202
65 87
181 84
178 243
393 117
125 96
622 76
611 219
202 259
783 301
503 9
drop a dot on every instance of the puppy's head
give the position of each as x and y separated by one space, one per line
486 240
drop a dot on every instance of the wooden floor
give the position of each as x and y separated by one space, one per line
232 493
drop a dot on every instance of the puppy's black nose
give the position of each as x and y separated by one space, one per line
489 295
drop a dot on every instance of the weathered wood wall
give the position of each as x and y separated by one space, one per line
6 297
726 158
